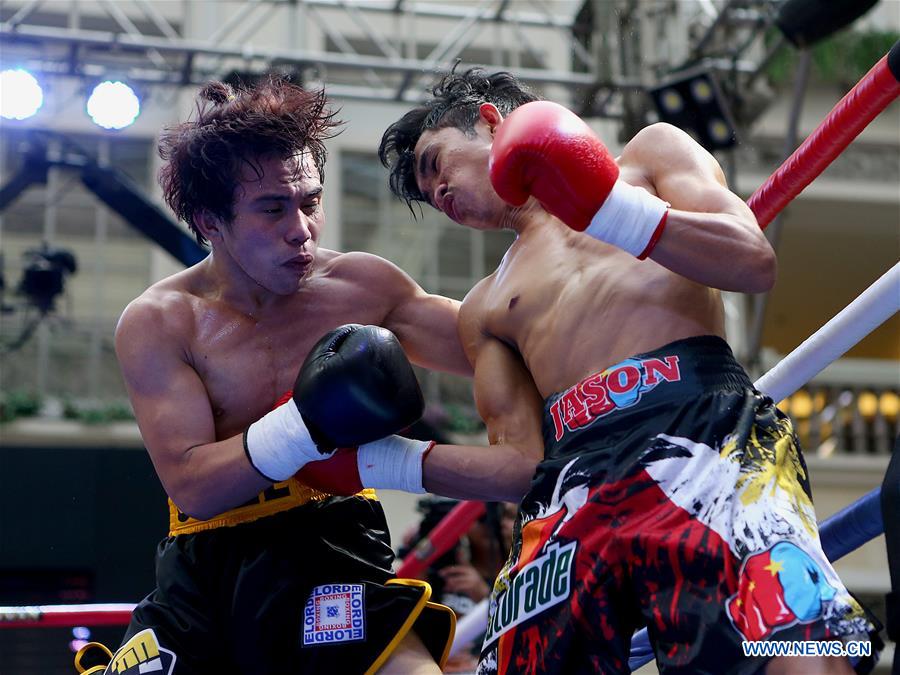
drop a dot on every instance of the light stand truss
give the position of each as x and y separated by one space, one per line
371 49
150 49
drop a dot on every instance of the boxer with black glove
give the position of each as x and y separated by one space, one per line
301 574
355 389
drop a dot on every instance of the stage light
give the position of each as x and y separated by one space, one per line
702 90
720 132
806 22
671 101
692 101
20 94
113 105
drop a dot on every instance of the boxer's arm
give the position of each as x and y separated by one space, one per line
711 236
203 477
425 324
511 406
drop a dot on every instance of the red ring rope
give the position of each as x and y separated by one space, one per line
872 94
441 539
54 616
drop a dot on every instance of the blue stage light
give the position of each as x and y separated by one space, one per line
20 94
113 105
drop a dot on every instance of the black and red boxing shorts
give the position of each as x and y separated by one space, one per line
672 495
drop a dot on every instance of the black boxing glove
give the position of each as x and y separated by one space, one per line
356 385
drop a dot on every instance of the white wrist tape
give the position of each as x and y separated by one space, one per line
279 444
629 218
392 463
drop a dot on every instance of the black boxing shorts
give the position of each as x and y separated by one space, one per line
307 590
673 496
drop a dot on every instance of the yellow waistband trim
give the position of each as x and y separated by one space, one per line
280 497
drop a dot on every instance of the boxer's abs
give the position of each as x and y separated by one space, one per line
574 309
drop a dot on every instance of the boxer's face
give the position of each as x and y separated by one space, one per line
278 217
452 172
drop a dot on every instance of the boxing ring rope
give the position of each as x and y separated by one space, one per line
55 616
845 531
878 303
441 539
872 94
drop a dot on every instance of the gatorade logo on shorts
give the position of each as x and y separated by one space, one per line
142 654
620 386
544 582
334 613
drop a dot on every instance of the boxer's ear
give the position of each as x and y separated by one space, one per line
208 224
489 114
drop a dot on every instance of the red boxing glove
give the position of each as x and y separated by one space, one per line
545 151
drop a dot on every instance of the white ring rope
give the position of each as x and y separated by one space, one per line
470 626
878 303
873 307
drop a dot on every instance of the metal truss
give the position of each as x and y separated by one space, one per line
151 49
372 50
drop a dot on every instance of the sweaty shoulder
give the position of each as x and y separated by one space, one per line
662 147
163 315
368 271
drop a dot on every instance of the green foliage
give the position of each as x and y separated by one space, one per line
19 404
842 59
462 420
97 412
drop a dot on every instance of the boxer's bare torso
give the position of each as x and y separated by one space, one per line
571 305
247 358
207 351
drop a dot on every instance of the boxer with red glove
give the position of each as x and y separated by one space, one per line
545 151
355 385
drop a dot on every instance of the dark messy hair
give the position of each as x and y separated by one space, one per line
454 103
232 128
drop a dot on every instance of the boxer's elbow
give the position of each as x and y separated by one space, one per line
188 504
761 269
189 500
